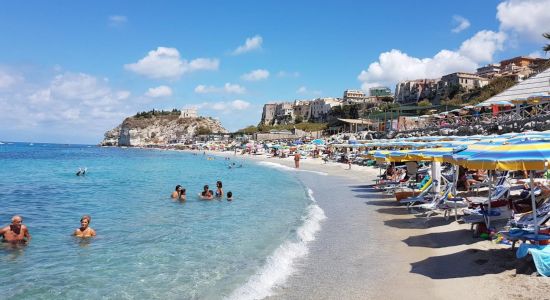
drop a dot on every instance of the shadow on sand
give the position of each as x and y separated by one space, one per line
418 222
468 263
441 239
397 211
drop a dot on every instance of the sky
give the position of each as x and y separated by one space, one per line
71 70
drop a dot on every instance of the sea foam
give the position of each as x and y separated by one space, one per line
280 265
285 168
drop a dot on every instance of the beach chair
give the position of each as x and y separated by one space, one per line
420 197
437 203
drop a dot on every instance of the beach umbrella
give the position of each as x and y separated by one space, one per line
318 142
526 154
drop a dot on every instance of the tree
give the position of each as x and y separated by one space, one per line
298 119
424 103
203 130
249 129
547 47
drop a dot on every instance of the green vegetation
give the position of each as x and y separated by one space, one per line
309 127
248 130
203 130
546 48
152 113
496 86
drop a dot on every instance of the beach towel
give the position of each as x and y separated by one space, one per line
541 257
524 248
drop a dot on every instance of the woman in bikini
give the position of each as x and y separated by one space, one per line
219 189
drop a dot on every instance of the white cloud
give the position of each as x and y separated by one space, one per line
228 88
240 104
117 20
304 90
8 80
528 18
538 54
253 43
166 63
483 45
255 75
68 103
159 91
225 106
288 74
395 65
461 24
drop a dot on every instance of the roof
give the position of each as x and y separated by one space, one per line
538 85
357 121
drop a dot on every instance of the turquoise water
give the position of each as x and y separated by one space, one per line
148 246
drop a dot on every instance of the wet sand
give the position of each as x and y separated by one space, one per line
371 248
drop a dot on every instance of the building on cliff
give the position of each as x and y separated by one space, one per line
189 113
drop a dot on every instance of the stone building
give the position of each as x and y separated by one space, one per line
413 91
268 113
189 113
320 108
353 96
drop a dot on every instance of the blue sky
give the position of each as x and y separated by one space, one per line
71 70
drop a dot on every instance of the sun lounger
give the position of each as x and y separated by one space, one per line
420 198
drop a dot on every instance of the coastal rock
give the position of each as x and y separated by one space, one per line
159 130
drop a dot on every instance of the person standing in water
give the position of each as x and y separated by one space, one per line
16 232
177 192
85 231
297 160
219 189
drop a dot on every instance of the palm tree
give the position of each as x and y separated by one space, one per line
547 47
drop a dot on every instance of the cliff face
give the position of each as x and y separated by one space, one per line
159 130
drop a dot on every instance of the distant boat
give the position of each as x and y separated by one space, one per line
31 144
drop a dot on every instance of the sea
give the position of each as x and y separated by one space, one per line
149 246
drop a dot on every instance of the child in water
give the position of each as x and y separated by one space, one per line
229 196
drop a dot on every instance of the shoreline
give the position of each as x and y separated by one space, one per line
368 246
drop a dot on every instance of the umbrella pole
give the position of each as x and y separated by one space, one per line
455 182
534 204
489 205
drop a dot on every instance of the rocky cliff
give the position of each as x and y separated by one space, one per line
159 130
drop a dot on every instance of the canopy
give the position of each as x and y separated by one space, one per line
516 155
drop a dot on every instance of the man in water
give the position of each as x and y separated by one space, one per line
16 232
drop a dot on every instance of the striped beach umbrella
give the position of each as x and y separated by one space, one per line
526 154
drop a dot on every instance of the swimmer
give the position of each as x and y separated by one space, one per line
206 193
229 196
16 232
177 192
79 172
182 197
85 230
219 189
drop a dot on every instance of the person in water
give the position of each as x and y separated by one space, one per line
177 192
81 172
206 193
183 196
229 196
85 230
16 232
219 189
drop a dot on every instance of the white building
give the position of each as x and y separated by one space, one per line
320 107
189 113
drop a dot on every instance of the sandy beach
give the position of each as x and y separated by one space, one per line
369 247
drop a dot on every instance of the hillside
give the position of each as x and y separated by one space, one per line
159 129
